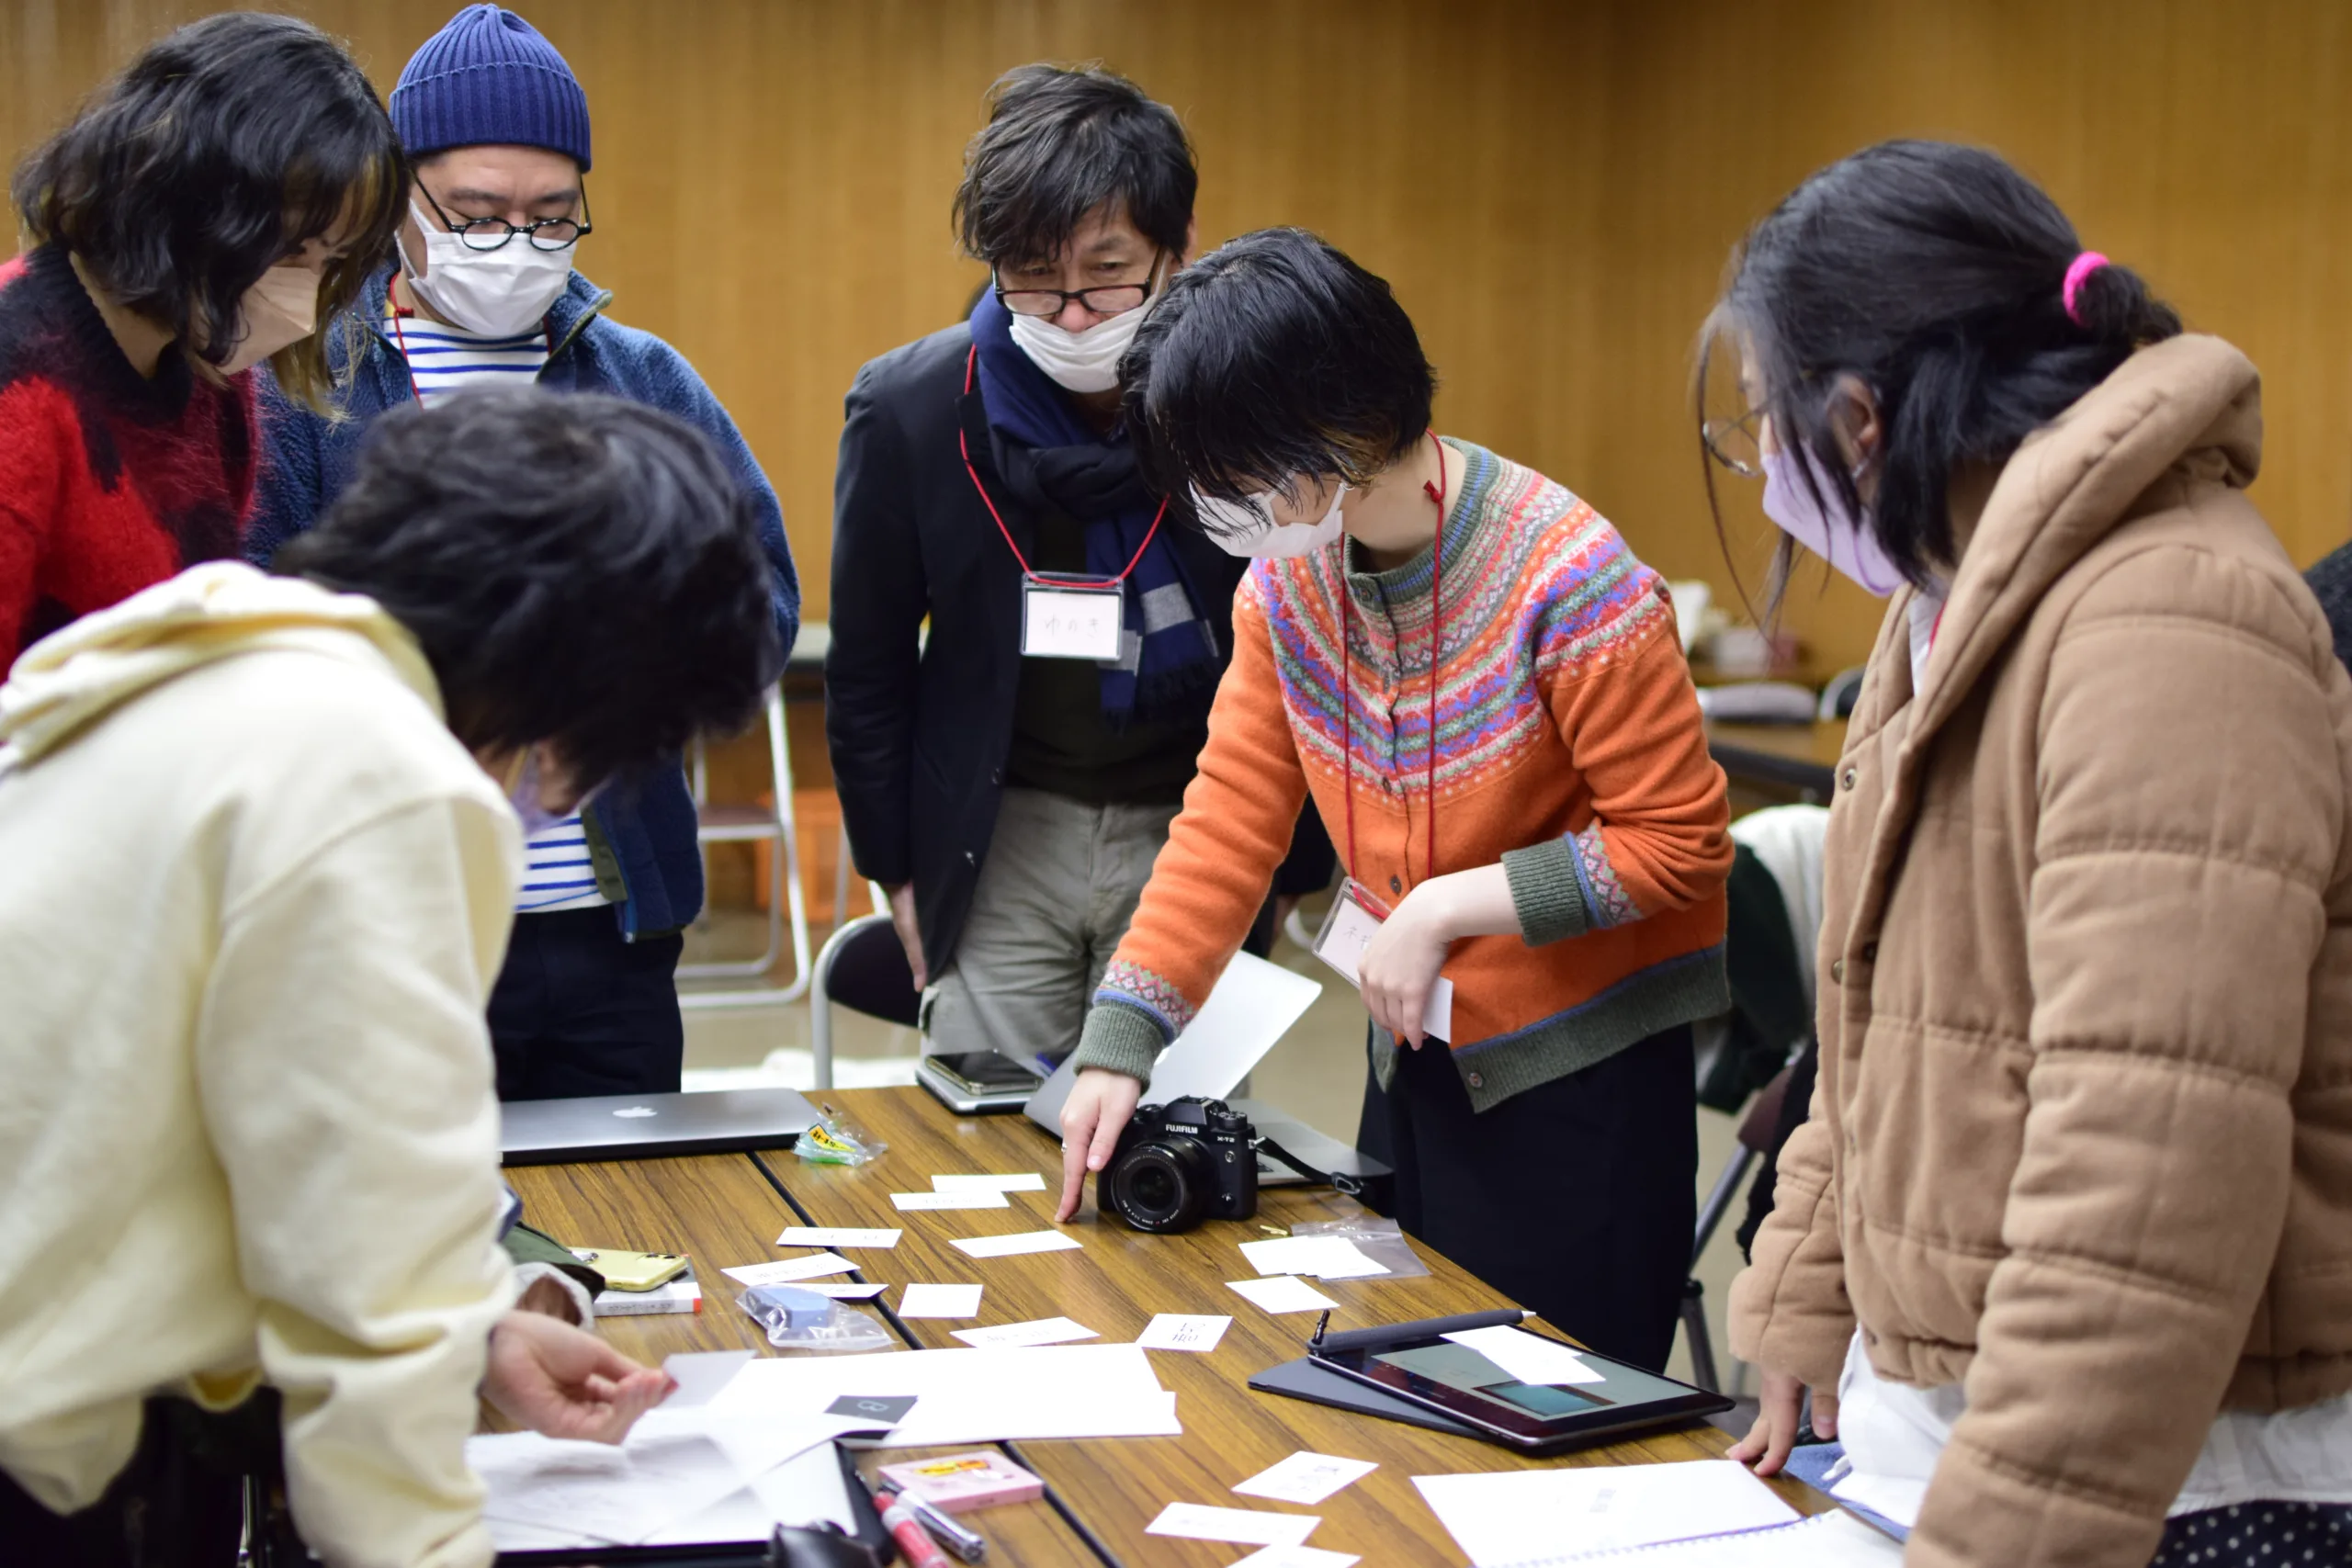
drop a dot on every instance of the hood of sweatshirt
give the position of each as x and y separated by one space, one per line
215 610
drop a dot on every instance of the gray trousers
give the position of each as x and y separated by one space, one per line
1053 898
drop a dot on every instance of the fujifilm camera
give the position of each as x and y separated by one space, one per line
1178 1164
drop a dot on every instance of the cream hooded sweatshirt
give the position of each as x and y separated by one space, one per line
252 898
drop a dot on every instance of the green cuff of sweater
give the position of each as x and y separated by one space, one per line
1123 1039
1544 890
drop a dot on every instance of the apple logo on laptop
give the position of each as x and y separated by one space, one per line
637 1110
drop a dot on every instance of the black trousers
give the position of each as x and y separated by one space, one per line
577 1011
1575 1197
179 1503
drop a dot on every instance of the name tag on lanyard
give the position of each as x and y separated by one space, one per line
1355 919
1063 620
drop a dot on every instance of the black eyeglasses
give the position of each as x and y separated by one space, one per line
1107 299
1735 443
491 233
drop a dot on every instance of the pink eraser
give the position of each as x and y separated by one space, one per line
956 1483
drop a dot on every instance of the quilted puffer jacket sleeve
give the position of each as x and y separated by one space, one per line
2190 801
1789 1310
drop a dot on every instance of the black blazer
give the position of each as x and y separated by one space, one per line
918 729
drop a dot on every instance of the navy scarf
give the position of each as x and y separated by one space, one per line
1049 456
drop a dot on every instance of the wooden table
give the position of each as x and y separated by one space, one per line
1115 1283
1797 760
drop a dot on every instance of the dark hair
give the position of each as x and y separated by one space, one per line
579 570
1272 357
1060 142
1932 273
217 153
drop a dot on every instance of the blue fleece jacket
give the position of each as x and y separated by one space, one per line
307 461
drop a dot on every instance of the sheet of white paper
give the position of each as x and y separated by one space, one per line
1043 1331
786 1270
801 1491
1325 1257
970 1396
976 1198
1012 1246
1282 1292
1197 1522
1508 1516
1898 1499
701 1374
620 1495
1252 1005
843 1292
1340 944
1305 1478
835 1236
1183 1331
1297 1557
1529 1358
1026 1181
940 1301
1834 1540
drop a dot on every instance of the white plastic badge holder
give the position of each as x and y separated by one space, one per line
1349 928
1065 620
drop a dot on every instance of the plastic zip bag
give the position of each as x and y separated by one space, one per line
783 1312
836 1140
1376 1238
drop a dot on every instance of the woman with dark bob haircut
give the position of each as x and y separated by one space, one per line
1483 692
2064 1250
203 212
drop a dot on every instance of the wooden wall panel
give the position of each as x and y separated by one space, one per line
1552 187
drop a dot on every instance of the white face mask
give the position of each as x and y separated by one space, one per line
500 293
282 308
1248 528
1079 362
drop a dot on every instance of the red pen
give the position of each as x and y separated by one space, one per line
907 1531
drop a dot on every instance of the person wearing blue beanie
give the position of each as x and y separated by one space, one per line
495 126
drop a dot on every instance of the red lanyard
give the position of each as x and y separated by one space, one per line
1059 579
392 302
1436 493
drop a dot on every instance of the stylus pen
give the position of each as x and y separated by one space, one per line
1426 1328
968 1544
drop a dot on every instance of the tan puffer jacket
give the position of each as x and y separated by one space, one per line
2083 1137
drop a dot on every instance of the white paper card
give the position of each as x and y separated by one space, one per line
1282 1292
784 1270
1347 930
940 1301
1305 1478
1180 1331
700 1374
1297 1557
968 1396
1509 1516
1043 1331
1026 1181
989 1198
1325 1257
827 1236
1012 1246
1197 1522
1070 623
1252 1006
1529 1358
844 1292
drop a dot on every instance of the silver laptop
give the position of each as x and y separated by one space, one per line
649 1127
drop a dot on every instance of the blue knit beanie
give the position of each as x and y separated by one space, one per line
489 77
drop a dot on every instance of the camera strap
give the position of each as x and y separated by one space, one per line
1350 1186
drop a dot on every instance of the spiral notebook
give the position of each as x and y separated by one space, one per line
1825 1541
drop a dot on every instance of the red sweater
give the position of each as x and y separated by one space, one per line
110 482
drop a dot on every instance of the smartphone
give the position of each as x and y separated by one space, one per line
634 1271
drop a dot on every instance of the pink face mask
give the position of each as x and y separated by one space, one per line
1817 519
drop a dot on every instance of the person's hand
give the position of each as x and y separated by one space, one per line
1399 966
1100 1104
902 921
1779 1412
561 1382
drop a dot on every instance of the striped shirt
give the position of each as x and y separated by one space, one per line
442 359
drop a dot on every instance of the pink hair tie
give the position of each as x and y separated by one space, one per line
2081 268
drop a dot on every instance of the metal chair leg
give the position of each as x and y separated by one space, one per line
788 900
1695 1335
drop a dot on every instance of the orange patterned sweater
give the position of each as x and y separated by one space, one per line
1568 746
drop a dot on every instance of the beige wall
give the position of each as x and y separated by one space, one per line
1551 187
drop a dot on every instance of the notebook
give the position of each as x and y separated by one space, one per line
1825 1541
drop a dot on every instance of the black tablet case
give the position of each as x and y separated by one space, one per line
1302 1379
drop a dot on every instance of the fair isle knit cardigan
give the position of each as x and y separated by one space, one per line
1568 747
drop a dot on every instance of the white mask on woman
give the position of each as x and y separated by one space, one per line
1079 362
1815 517
500 293
281 308
1248 528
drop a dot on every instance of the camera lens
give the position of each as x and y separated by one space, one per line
1161 1186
